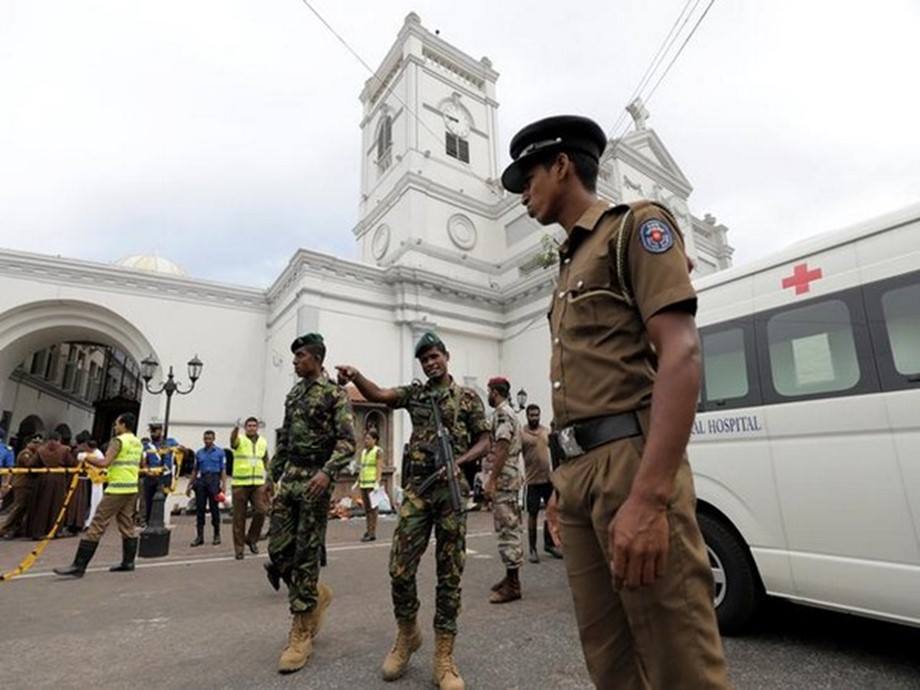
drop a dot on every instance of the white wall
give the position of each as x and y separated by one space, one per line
230 340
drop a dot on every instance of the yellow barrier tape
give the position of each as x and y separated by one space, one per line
89 470
98 476
29 560
95 474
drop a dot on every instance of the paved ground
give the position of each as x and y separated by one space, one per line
199 619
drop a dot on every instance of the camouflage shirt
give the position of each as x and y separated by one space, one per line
506 427
318 421
462 413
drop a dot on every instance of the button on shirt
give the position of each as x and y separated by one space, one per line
602 362
210 460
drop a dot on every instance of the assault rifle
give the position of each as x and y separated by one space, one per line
443 461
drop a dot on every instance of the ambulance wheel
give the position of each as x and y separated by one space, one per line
738 591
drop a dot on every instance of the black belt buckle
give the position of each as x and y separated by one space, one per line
577 439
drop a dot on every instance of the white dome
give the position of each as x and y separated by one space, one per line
152 263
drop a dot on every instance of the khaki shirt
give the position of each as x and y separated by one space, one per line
535 444
506 427
602 362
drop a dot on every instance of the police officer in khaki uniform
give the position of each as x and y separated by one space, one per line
625 372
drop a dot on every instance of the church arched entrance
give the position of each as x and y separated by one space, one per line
82 360
28 427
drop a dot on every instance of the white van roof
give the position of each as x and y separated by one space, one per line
813 245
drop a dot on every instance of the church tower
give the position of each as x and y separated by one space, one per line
429 187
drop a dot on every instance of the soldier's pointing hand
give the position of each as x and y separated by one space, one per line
346 373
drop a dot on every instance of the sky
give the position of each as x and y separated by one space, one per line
225 134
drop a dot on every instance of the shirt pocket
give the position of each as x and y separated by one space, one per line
594 298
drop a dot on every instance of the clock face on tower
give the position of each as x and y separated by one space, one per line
456 119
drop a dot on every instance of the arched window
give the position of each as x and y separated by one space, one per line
384 143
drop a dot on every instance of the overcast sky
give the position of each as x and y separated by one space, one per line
223 134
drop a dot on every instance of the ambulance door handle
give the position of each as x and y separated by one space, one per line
719 403
913 378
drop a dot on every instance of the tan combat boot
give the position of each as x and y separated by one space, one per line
300 644
408 640
323 599
446 675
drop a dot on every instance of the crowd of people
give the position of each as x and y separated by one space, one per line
32 501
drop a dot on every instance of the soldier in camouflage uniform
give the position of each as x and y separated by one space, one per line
503 486
317 440
463 416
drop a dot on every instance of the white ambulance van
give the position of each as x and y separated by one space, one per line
806 444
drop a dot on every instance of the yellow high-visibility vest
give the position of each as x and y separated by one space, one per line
123 472
248 467
368 475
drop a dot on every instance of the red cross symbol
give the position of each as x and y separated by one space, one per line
801 278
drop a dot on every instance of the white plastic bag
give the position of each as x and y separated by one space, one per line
375 496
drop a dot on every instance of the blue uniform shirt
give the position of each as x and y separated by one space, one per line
6 456
154 459
210 459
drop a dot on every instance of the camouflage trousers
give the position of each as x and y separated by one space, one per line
506 515
298 529
417 517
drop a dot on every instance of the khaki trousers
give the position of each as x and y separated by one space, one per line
122 507
663 636
243 496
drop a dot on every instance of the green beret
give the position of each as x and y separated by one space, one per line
430 339
308 339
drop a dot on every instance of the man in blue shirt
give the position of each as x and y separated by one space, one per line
209 478
153 457
7 460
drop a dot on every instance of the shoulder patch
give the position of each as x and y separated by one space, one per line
656 236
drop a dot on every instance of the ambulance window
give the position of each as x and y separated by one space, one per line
813 350
725 365
901 307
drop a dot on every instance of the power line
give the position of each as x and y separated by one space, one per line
617 138
680 50
656 60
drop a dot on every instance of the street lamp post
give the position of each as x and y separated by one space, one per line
155 537
169 386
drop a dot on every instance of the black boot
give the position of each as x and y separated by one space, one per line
273 575
128 552
199 540
216 540
85 551
532 542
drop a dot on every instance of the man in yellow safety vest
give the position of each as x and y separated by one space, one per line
122 459
250 456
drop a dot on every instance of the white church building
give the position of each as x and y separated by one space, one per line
442 246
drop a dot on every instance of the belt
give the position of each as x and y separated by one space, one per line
578 439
